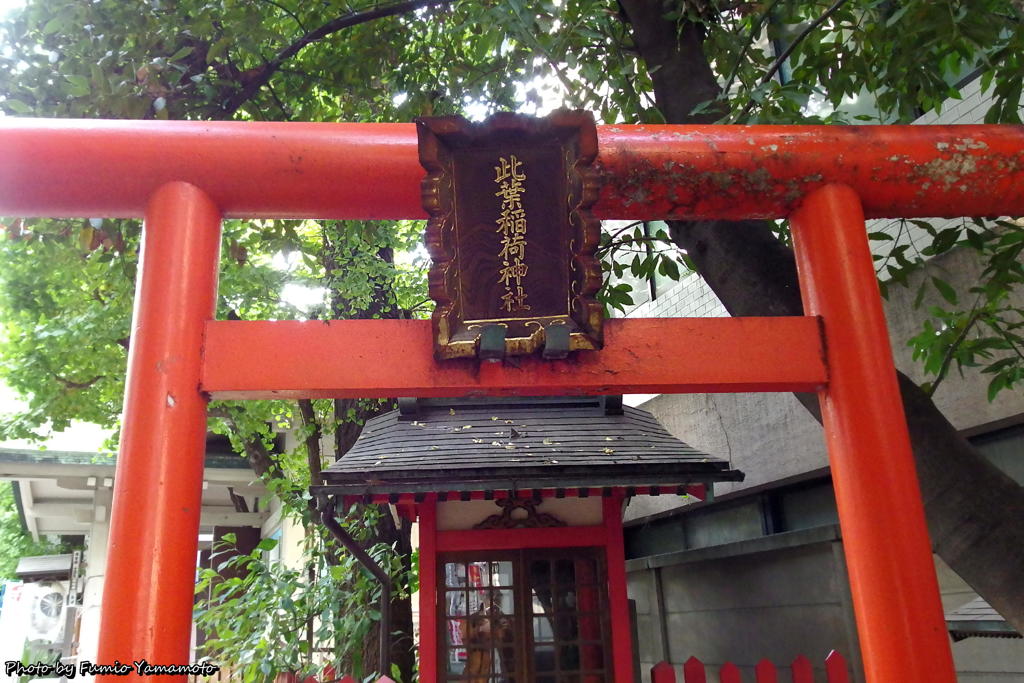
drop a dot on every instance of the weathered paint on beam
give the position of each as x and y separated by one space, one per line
63 167
384 358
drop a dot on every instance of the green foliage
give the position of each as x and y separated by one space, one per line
15 542
871 61
66 311
985 328
642 251
260 621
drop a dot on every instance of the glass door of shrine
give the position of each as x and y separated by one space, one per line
524 616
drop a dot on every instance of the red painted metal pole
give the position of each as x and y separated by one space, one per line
618 601
429 618
888 556
154 526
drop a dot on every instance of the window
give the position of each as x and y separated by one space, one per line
524 616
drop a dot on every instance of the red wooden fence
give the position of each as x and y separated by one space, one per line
765 672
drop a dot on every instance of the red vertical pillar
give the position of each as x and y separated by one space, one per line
618 601
429 617
154 525
888 556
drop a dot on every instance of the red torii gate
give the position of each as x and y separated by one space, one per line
184 177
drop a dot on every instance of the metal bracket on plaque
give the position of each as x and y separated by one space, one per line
492 343
556 342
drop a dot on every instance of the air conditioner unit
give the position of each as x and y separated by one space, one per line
46 613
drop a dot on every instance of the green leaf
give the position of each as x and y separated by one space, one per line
17 106
997 384
267 544
53 25
218 49
945 289
80 86
181 54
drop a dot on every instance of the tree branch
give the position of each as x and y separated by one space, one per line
280 104
947 359
313 436
259 457
290 13
262 76
754 33
70 384
781 59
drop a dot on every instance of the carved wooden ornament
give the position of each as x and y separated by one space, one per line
506 520
510 235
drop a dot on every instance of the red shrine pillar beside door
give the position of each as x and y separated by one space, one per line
618 601
428 646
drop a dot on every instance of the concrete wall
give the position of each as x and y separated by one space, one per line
979 660
780 604
771 436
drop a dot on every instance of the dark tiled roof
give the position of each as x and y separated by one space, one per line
488 444
215 460
56 457
978 618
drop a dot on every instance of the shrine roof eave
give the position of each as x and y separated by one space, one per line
665 478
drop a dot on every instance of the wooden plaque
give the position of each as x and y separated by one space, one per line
510 235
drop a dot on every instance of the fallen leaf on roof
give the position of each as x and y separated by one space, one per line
609 451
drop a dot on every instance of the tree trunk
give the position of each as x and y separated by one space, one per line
350 416
974 510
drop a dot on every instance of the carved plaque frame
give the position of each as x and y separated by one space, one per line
511 237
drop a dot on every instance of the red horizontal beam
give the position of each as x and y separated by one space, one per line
388 358
514 539
62 167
